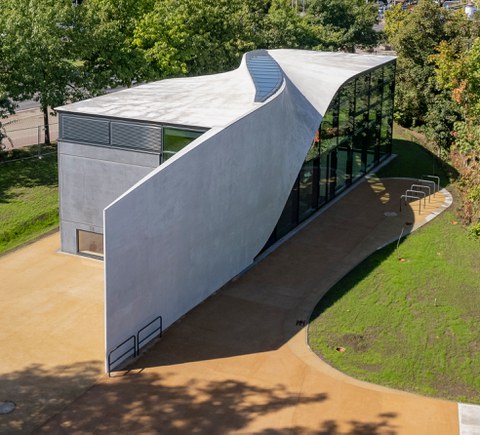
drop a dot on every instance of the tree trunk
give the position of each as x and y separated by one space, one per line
46 126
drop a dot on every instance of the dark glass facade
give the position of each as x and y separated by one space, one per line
355 135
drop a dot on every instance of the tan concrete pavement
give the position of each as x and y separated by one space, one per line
51 331
239 363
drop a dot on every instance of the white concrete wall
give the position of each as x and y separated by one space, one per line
90 178
201 218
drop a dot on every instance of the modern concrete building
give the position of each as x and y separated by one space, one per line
180 184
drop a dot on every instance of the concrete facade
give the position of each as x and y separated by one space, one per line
90 178
191 224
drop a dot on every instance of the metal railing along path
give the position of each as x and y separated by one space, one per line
134 350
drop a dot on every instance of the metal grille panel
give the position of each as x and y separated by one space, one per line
137 136
85 130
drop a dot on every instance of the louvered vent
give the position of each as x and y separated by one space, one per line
86 130
137 136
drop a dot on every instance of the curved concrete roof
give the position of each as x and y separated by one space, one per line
219 99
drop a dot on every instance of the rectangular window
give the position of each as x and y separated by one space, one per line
90 243
175 139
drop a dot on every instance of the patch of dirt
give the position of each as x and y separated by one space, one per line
356 342
454 391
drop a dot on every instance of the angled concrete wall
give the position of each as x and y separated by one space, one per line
201 218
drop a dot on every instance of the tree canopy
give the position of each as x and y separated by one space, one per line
438 86
36 47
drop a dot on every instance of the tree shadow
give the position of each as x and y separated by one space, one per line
383 426
154 403
159 403
40 392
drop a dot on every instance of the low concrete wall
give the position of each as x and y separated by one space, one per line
90 178
201 218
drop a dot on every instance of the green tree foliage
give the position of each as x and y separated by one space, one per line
198 37
284 27
105 42
36 46
343 24
458 73
415 34
419 37
438 85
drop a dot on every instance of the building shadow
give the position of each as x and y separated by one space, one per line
265 307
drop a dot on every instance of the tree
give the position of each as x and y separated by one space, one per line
105 39
284 27
415 35
37 51
344 24
198 36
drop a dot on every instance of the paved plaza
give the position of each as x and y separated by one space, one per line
237 363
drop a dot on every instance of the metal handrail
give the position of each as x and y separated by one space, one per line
430 182
134 348
435 177
136 343
412 197
420 192
421 186
159 328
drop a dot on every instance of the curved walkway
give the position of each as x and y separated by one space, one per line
238 363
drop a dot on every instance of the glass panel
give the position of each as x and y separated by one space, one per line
175 139
385 136
305 190
358 163
288 219
346 110
323 180
314 150
370 143
375 98
376 77
90 243
361 94
343 173
329 130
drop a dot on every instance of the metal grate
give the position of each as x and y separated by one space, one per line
137 136
88 130
266 74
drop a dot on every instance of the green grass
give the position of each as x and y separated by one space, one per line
28 197
408 317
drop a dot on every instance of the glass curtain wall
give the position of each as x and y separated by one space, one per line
355 135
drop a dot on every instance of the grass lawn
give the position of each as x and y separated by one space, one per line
28 197
410 324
